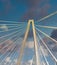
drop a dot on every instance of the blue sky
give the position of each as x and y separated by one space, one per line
16 10
21 11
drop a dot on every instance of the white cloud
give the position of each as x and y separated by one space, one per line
30 44
45 50
29 62
43 63
15 60
7 60
4 27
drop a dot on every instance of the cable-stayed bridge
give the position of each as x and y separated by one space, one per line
13 42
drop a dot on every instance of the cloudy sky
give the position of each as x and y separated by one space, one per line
15 11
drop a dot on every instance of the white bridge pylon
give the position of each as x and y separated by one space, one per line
24 43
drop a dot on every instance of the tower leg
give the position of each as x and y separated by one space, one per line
35 45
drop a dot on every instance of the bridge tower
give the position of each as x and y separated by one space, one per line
24 43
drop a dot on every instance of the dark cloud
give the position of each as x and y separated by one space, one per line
54 34
54 49
51 44
36 9
34 3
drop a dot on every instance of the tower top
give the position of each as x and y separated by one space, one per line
31 20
